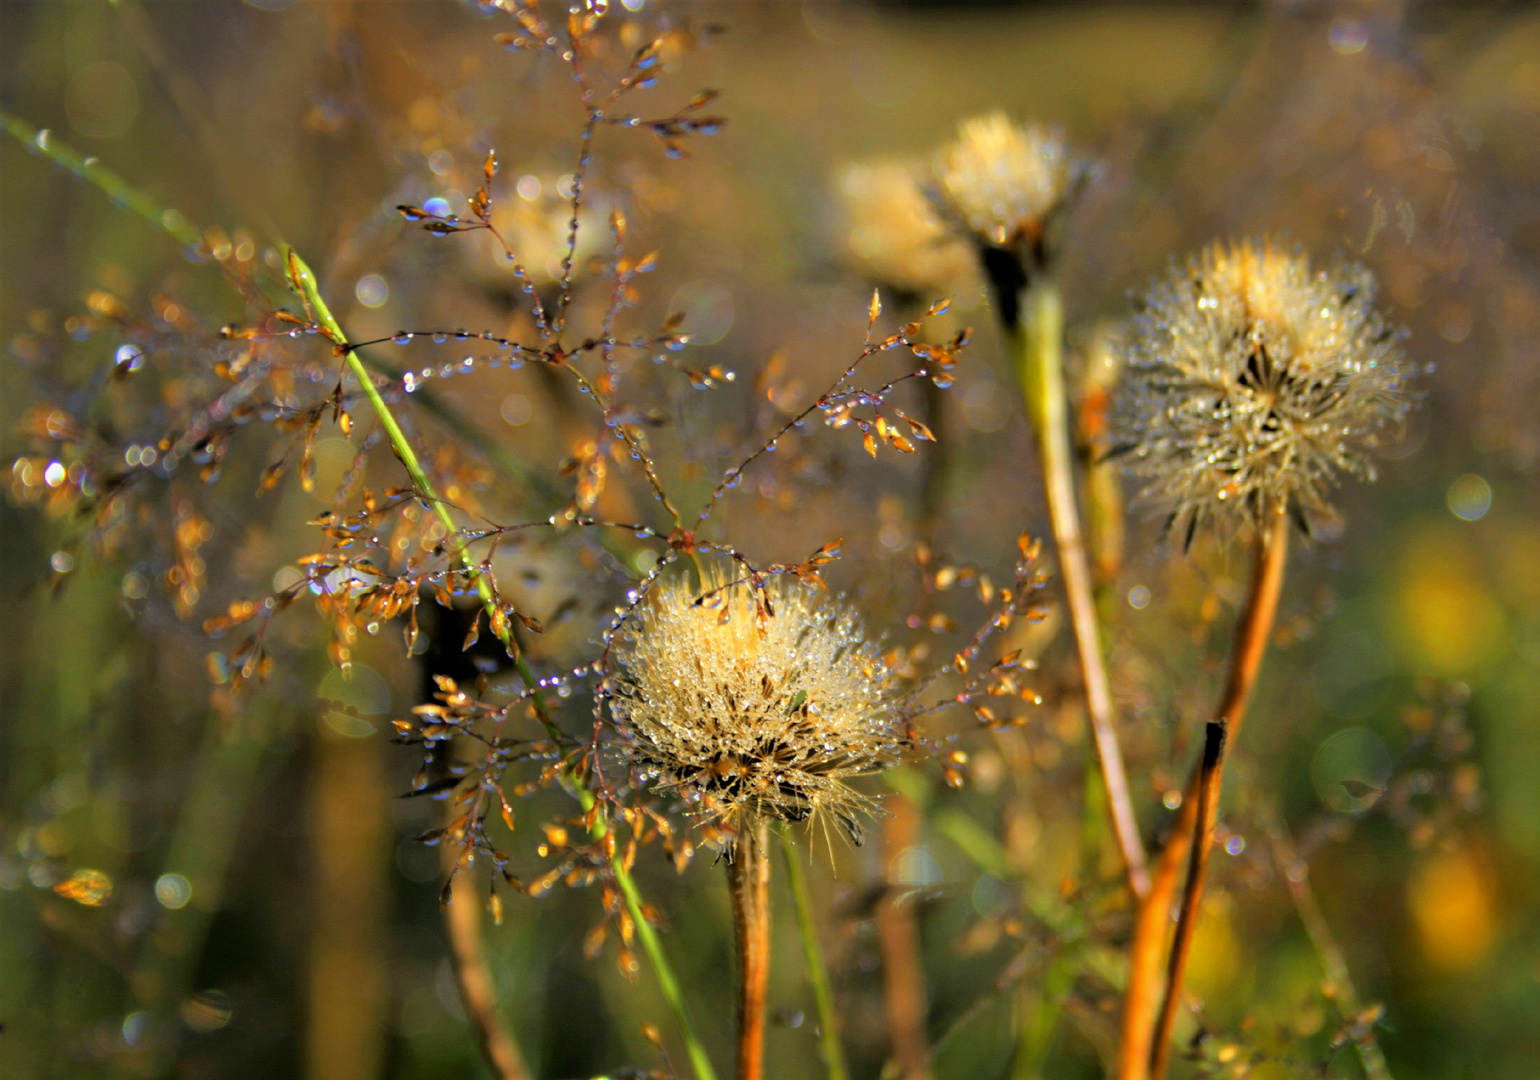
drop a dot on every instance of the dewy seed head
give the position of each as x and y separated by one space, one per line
752 705
1252 382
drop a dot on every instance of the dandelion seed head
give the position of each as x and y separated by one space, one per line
755 704
1252 381
893 235
1000 180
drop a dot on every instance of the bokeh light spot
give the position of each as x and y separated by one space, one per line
372 291
173 891
1350 769
516 409
101 101
1348 36
1452 907
1469 497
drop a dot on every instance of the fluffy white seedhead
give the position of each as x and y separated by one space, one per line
754 704
893 235
1253 382
1000 180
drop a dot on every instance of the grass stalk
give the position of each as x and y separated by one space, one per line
172 222
748 885
304 282
1038 348
817 969
1153 918
223 776
104 180
1296 874
898 938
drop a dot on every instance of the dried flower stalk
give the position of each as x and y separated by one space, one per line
748 884
1006 185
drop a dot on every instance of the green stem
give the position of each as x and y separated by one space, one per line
817 970
189 235
304 280
651 945
1040 372
1039 1009
99 176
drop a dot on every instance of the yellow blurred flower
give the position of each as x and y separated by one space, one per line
1453 909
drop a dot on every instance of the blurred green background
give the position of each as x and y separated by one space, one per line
268 913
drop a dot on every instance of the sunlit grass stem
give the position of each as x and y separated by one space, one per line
817 969
1038 354
304 281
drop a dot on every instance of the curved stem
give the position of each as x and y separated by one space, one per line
748 883
1154 915
817 970
1040 371
468 954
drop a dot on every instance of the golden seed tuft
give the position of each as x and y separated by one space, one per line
754 704
1000 181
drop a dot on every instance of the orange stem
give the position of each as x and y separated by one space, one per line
1153 918
898 937
748 880
1210 779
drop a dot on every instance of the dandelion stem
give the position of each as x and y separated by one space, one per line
1154 914
748 883
817 970
305 283
1040 371
1210 778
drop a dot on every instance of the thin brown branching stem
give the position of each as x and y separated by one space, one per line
468 954
1152 921
748 883
1040 371
1296 875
